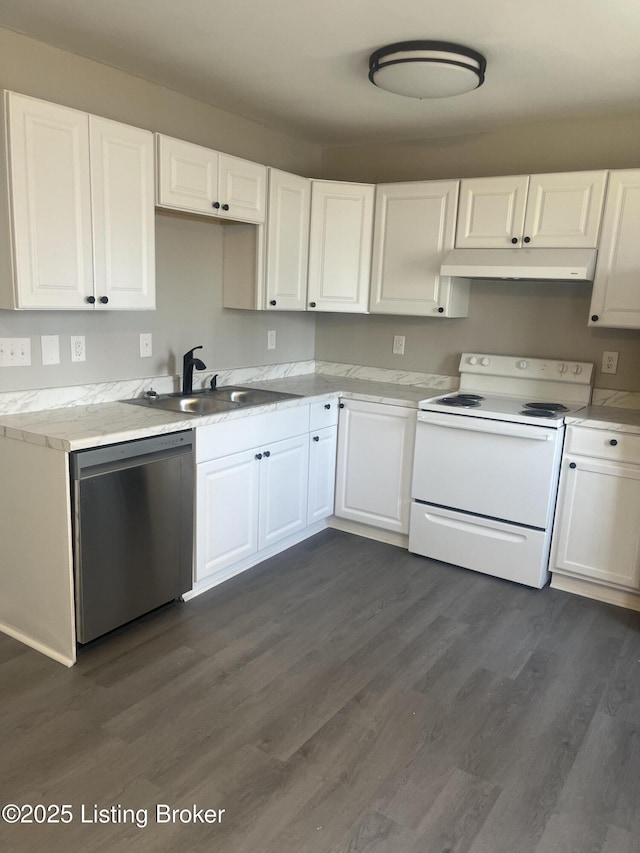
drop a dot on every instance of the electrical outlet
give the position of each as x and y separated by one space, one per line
15 352
146 345
398 344
50 349
78 350
271 339
610 362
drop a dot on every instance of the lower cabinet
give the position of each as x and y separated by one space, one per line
322 473
375 459
597 528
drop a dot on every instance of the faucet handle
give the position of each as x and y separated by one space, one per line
214 381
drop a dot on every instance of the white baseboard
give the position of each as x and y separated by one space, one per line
35 644
589 589
359 529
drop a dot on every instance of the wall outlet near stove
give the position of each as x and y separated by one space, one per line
398 344
610 362
78 348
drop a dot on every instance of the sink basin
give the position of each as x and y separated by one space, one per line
212 401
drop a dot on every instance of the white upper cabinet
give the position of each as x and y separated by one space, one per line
542 211
80 214
340 243
200 180
616 286
289 206
414 228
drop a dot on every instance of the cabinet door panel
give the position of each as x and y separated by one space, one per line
226 512
414 227
287 241
564 210
123 174
322 473
51 204
187 176
283 489
598 525
375 457
491 212
243 186
616 289
340 246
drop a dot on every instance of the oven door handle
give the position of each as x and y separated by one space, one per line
488 427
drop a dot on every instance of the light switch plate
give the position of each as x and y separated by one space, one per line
271 339
50 349
398 344
146 345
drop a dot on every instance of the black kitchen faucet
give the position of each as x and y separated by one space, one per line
189 361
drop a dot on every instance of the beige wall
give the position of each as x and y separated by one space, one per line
188 252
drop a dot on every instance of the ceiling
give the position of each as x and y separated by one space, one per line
301 66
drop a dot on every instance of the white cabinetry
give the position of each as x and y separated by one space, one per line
200 180
287 249
541 211
616 286
597 530
79 224
375 459
322 460
340 246
251 492
414 228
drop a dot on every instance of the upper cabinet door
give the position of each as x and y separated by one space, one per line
340 246
242 189
51 204
414 228
122 179
187 176
287 241
564 210
616 287
491 212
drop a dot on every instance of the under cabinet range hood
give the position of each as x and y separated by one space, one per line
537 264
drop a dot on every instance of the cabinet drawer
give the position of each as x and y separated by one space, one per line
605 444
234 436
323 414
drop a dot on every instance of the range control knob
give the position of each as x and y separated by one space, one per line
562 367
473 360
484 362
577 369
522 365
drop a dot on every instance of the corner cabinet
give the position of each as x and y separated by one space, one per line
414 228
374 465
615 300
558 210
596 540
78 226
199 180
340 241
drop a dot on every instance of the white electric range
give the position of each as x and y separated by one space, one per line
487 463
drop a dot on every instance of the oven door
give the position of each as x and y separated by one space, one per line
498 469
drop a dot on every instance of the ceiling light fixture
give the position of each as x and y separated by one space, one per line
427 69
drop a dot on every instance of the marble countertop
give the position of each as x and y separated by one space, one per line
82 427
608 417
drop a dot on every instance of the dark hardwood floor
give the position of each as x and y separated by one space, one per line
344 696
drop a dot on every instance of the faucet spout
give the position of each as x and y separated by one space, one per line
189 362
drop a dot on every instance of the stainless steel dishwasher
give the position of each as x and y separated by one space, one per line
133 529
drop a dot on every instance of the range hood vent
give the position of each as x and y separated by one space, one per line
540 264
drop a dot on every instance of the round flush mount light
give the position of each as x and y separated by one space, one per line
427 69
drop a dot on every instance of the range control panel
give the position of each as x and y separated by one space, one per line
523 367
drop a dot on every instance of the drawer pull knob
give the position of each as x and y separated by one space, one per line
316 438
594 318
327 405
613 442
572 465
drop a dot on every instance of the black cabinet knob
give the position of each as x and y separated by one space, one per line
216 204
104 299
327 405
312 305
441 310
341 405
273 302
225 207
91 299
572 465
316 438
613 442
514 240
527 239
594 318
267 454
258 455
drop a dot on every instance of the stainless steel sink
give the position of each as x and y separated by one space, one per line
212 401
